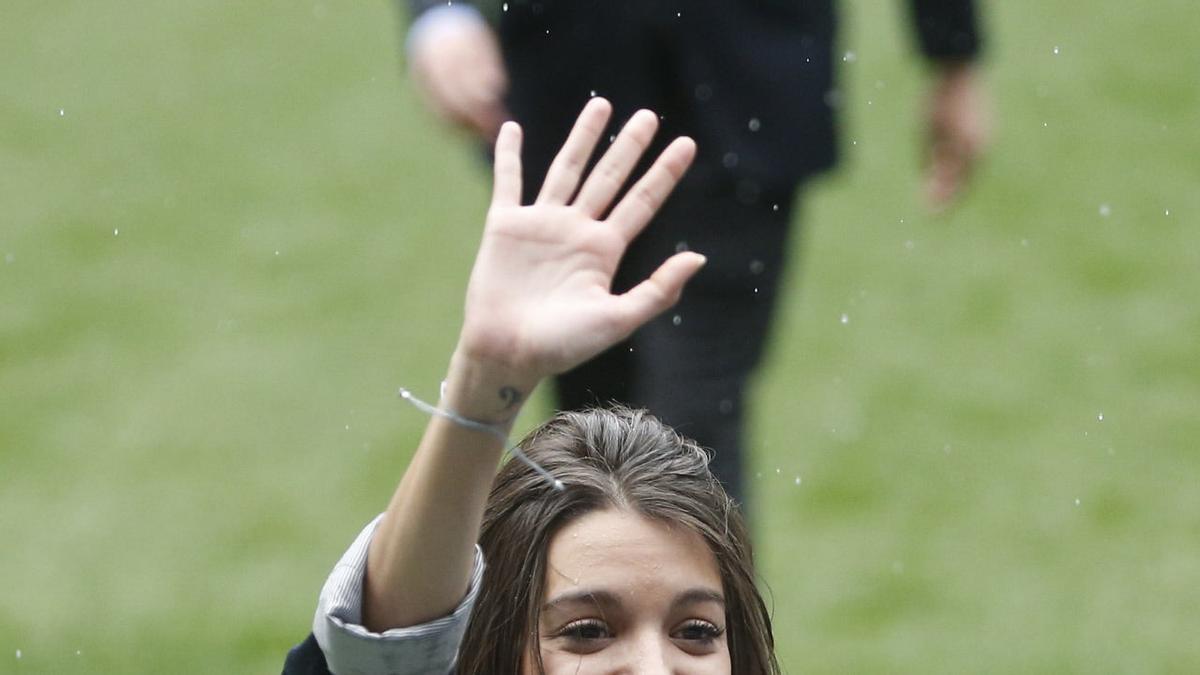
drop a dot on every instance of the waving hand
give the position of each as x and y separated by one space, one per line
539 297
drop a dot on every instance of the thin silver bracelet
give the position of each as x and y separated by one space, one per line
496 430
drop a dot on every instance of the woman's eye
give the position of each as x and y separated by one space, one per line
585 629
698 631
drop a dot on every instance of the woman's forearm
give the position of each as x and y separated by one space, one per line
420 559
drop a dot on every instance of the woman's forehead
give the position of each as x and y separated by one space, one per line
626 554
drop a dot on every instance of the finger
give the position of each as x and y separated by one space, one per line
563 175
476 105
432 93
454 103
506 188
486 121
483 84
657 293
613 168
949 167
646 196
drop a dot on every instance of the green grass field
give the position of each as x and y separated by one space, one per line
229 232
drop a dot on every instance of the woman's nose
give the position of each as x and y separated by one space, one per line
650 656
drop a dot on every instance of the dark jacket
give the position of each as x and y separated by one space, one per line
751 80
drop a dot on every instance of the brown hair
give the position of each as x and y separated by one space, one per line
607 458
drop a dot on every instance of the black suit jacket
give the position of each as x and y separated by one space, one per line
751 80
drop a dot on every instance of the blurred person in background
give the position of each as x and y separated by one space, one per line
753 82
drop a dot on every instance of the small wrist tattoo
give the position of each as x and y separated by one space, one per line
511 397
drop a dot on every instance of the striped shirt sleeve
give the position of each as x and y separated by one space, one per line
351 649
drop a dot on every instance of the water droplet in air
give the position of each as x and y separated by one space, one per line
677 319
798 481
850 57
681 247
1056 50
347 427
754 124
504 7
774 207
1077 501
678 14
18 653
845 319
276 252
1100 417
116 232
592 93
62 113
1105 210
1167 212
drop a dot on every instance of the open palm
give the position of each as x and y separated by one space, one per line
540 295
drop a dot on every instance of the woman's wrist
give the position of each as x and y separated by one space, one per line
486 390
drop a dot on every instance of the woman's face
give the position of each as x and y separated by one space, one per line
629 595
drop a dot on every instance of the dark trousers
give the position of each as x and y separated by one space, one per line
691 366
746 82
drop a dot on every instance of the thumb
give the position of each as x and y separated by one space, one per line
659 292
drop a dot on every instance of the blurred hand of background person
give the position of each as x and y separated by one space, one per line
959 131
455 61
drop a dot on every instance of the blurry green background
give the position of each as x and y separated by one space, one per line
229 232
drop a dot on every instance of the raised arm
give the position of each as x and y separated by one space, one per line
538 303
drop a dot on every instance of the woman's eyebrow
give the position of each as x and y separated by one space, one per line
598 598
602 598
697 595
